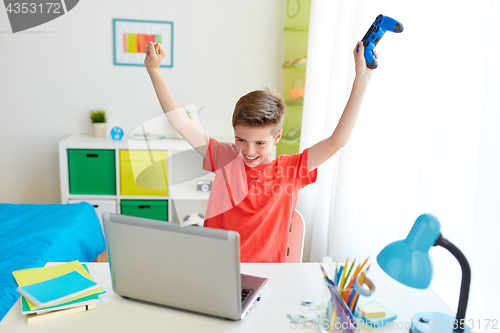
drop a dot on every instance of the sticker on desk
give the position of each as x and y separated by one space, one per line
303 320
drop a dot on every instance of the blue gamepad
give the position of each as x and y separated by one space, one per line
374 35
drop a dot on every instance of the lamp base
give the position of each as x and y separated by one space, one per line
434 322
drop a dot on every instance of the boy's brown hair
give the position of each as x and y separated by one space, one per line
260 108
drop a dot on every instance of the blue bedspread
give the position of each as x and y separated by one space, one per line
32 235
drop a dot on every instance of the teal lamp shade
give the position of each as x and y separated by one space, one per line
408 261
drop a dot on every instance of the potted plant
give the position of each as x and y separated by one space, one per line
99 126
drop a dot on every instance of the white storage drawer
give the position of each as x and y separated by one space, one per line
100 206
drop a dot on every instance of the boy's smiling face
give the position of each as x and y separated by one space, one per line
255 143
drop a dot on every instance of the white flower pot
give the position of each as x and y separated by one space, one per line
99 130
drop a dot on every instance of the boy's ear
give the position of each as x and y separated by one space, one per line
278 136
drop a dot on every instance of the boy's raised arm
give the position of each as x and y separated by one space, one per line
173 110
323 150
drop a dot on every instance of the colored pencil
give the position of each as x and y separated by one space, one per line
343 274
326 275
332 320
337 278
349 273
364 263
351 296
356 272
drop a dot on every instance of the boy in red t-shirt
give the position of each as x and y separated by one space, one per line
253 194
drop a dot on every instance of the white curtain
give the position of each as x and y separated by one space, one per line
427 139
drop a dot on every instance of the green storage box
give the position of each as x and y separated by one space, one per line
292 126
92 171
297 15
296 44
150 209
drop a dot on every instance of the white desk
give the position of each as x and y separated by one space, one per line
289 284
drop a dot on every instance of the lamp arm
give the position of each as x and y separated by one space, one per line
466 275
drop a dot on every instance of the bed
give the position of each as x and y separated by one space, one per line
32 235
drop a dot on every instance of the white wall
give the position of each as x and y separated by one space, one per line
52 75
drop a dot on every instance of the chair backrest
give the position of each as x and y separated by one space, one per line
295 246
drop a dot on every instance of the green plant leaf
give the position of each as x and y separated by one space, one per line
98 116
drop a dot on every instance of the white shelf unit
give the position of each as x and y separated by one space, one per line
186 198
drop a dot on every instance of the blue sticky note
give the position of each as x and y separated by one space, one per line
58 289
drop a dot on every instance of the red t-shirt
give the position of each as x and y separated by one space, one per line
256 202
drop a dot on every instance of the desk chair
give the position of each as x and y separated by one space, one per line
295 246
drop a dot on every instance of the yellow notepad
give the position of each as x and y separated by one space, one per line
372 310
34 275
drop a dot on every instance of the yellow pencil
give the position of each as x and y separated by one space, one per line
343 274
333 319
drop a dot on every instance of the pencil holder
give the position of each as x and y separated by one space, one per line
339 309
334 316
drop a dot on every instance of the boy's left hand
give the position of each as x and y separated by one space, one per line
359 58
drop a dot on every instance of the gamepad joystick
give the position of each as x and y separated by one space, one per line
374 35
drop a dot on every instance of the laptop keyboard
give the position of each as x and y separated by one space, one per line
245 292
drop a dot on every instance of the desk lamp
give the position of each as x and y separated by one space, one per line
408 262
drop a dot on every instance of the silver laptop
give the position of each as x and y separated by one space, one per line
191 268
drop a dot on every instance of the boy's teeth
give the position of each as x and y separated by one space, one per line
251 158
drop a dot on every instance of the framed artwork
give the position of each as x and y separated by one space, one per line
130 38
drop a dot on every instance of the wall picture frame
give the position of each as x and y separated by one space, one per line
130 38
